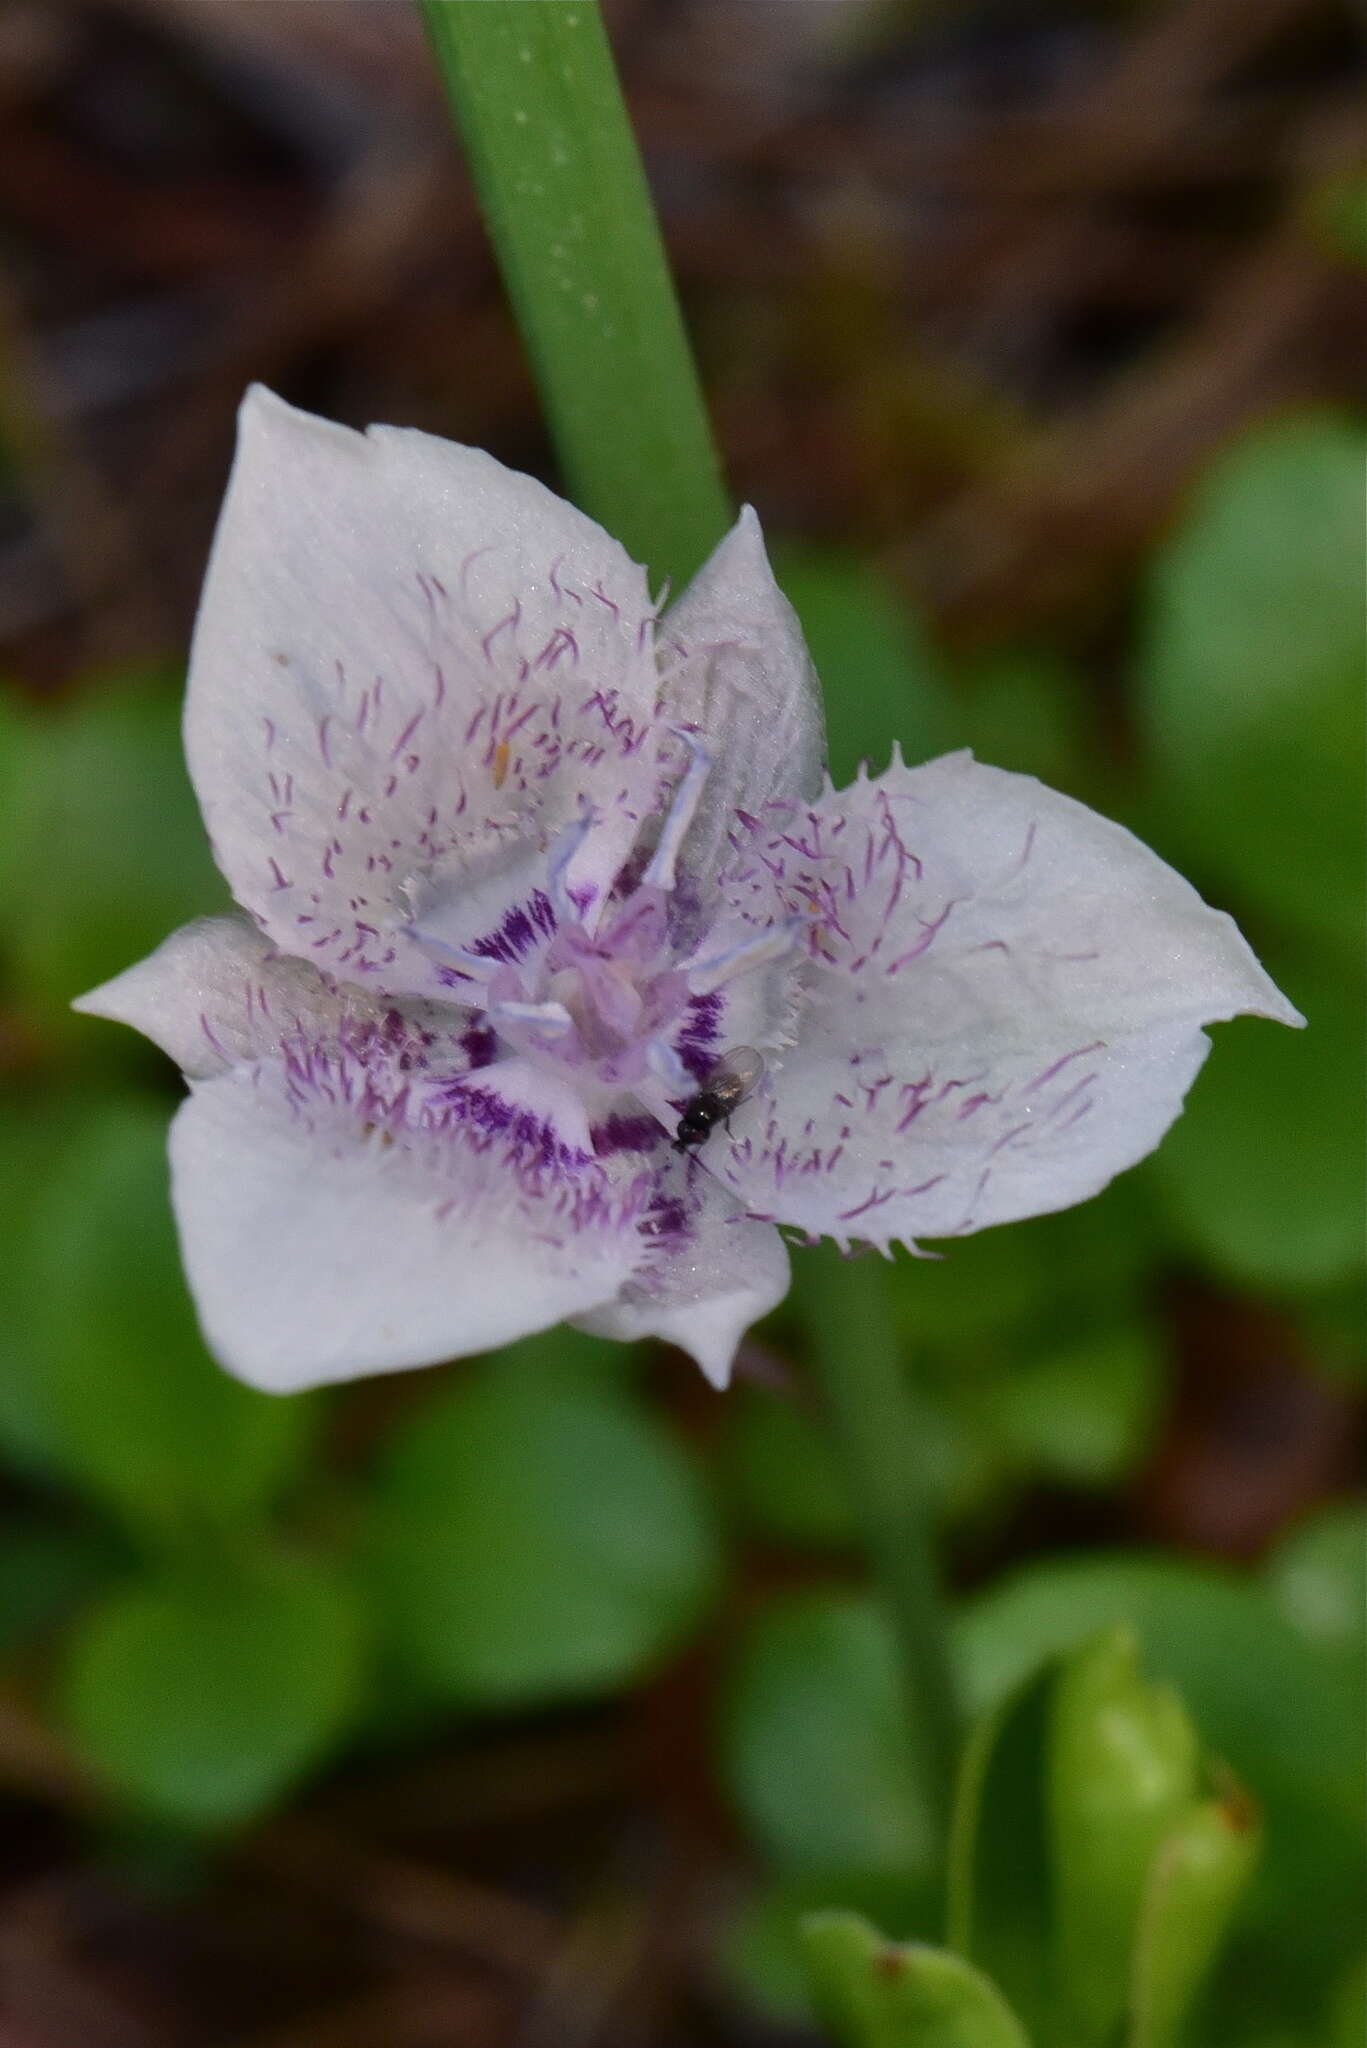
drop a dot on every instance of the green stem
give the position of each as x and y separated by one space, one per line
875 1415
536 97
537 100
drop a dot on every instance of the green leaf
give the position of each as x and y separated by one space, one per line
881 677
1317 1577
36 1133
763 1947
15 715
999 1879
815 1743
202 1698
46 1572
539 1535
102 853
783 1473
133 1407
1122 1771
1346 2025
1251 674
1260 1694
1085 1411
874 1993
1264 1170
1198 1878
1286 1717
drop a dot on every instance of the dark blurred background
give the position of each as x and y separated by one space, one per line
1036 334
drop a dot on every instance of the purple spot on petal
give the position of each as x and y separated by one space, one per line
479 1044
626 1134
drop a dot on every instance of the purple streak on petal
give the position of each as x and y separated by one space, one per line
1097 1045
215 1042
930 929
1016 1131
516 936
698 1044
1080 1088
512 620
406 735
874 1201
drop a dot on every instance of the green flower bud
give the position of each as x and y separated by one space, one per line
1198 1877
1123 1768
874 1993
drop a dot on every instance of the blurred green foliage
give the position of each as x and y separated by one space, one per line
101 847
1099 1849
1121 1767
1097 1860
1250 677
814 1742
202 1692
211 1602
873 1993
134 1411
537 1535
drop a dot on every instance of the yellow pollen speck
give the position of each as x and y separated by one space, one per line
501 753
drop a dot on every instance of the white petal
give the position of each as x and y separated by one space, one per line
1006 1000
217 993
715 1273
409 662
318 1252
738 669
214 993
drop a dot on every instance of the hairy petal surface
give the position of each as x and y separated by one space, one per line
737 670
409 664
319 1247
712 1272
218 992
1006 994
526 869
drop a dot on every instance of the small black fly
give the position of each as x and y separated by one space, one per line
734 1077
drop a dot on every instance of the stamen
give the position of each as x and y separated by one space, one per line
563 852
666 1066
660 873
715 971
476 967
552 1017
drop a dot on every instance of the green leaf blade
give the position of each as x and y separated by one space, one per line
200 1698
1251 674
136 1410
816 1745
537 1535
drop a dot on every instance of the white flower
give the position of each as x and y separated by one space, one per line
522 860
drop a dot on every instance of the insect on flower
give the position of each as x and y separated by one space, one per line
728 1083
534 881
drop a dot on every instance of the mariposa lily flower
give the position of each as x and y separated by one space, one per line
522 860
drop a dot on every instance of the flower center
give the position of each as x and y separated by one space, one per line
611 994
596 1002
